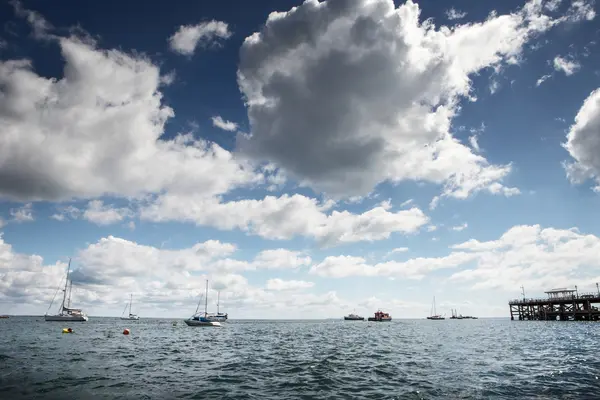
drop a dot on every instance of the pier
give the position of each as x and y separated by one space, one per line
560 305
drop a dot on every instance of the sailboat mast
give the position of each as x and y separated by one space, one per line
70 291
218 299
130 301
206 300
66 283
434 309
431 310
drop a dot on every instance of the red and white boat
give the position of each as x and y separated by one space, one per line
381 316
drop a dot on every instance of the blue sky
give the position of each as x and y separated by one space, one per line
308 161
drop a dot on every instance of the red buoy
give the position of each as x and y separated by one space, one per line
126 331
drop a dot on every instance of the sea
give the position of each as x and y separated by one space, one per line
316 359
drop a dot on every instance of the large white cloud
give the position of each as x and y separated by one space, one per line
287 216
24 278
97 130
583 142
535 257
347 94
163 281
167 279
416 268
524 255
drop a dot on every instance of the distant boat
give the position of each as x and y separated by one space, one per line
201 319
4 316
353 317
455 315
380 316
434 315
66 313
219 316
131 317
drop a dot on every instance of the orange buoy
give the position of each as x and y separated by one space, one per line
126 331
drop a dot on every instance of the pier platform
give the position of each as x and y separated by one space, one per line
561 305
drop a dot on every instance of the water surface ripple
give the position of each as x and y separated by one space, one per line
404 359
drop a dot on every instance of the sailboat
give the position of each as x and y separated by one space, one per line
132 317
202 319
66 313
434 314
219 316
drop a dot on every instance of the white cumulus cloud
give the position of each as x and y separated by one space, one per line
101 214
97 131
285 217
583 142
189 37
344 96
454 14
22 214
569 67
277 284
220 123
538 258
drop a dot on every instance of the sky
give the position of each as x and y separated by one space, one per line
309 159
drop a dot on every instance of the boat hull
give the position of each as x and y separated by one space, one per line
373 319
192 322
130 319
217 317
436 318
65 318
354 319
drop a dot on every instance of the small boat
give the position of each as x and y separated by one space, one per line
131 317
380 316
434 315
455 315
66 313
201 319
353 317
4 316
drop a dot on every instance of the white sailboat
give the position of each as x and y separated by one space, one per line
202 319
66 313
434 315
219 316
131 317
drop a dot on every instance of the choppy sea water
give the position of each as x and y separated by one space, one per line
404 359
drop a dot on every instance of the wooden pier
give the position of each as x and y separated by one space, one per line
561 305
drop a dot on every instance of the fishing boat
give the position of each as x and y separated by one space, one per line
201 319
131 317
353 317
434 315
66 313
4 316
219 316
380 316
